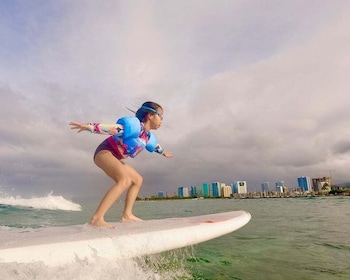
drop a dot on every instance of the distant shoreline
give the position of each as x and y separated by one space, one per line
249 196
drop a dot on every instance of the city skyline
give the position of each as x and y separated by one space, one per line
306 184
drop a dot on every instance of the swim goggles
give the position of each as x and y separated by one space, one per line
152 110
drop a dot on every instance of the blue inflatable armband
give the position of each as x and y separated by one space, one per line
131 125
152 142
133 146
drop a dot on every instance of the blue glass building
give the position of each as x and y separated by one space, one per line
160 194
305 184
216 189
194 192
205 189
180 191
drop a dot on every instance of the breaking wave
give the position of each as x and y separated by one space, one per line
48 202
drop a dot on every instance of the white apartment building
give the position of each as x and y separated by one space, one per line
226 191
239 187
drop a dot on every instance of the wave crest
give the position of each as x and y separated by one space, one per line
49 202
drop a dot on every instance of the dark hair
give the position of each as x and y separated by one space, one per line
146 108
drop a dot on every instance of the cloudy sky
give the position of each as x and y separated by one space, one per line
252 90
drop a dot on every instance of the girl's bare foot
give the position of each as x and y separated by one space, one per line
130 218
100 223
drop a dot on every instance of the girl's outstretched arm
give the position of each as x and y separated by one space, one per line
109 129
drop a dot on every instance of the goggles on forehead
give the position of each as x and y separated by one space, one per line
152 110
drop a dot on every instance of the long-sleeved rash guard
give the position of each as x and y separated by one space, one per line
116 140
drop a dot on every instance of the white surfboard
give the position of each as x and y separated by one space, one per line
64 245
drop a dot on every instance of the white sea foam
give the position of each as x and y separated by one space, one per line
49 202
124 270
143 268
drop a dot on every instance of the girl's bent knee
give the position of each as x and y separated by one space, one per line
138 180
125 182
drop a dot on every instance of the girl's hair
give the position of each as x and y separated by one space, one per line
146 108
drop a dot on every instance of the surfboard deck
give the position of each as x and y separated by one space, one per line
57 246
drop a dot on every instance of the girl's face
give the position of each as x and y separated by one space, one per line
156 119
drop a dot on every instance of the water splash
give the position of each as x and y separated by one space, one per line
49 202
164 266
168 265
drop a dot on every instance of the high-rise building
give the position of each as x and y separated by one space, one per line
280 186
322 184
205 189
216 187
226 191
239 187
193 191
185 192
265 187
160 194
180 191
305 184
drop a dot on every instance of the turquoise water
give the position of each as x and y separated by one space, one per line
287 238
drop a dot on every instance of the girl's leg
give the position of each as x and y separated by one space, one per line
131 196
114 169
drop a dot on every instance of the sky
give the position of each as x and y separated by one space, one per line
251 90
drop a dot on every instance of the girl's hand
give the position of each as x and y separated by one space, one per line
80 126
167 154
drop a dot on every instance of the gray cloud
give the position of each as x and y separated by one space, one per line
251 91
341 147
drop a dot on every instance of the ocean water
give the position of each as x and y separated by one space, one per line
287 238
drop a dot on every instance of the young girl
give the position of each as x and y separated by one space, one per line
129 136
